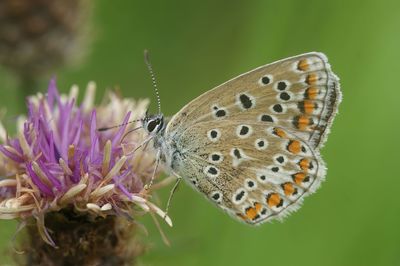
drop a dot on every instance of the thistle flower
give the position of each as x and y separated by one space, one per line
60 165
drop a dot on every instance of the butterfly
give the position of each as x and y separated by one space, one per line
251 145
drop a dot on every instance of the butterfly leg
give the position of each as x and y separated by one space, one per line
171 194
141 145
144 149
158 158
129 132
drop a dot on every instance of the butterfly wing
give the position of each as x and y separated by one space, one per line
251 144
300 94
257 176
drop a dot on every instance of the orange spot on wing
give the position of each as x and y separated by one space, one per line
294 146
258 206
299 177
251 213
303 122
309 107
312 79
304 164
303 65
273 199
279 132
311 93
288 188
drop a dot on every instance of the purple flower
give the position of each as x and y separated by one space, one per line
59 159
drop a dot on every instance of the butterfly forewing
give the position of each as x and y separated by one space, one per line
299 93
251 144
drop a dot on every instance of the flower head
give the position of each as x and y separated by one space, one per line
60 160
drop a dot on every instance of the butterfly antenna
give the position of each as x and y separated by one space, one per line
153 78
120 125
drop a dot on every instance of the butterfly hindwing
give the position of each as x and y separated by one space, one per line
256 176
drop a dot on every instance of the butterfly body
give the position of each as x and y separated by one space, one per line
251 145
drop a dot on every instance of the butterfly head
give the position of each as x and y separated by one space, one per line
153 124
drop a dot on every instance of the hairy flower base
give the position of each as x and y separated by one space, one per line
82 240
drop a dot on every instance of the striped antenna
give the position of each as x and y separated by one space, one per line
153 78
108 128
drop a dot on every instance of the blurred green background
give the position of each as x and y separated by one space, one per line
354 219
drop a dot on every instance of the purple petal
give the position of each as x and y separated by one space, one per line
11 155
52 93
31 109
52 154
77 134
119 179
15 144
94 139
36 180
125 191
121 130
65 128
51 177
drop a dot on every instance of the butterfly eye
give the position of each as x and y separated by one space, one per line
152 125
